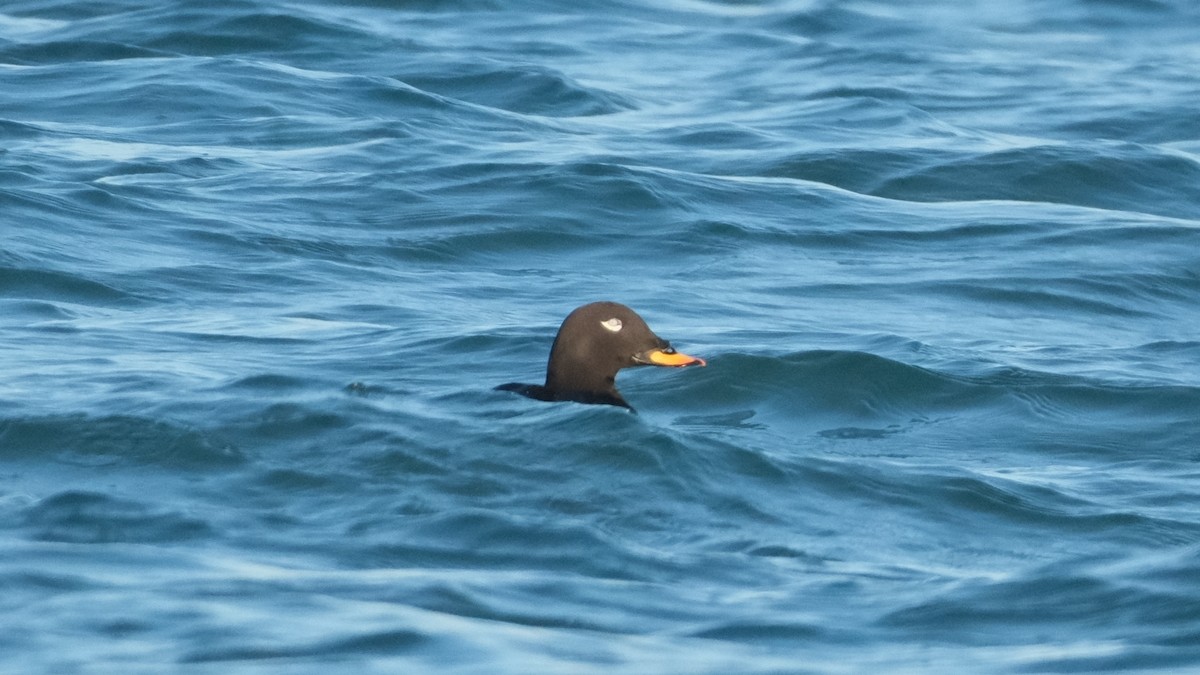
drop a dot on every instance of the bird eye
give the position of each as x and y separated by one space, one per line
613 324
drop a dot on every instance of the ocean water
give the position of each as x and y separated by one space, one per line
262 262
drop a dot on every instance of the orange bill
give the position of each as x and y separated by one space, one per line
670 357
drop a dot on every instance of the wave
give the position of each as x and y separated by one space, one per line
1020 605
113 440
521 89
857 395
41 284
85 517
1113 176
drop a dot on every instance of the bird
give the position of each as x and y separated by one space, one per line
594 342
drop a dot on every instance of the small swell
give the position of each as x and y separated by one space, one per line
93 518
112 440
61 286
525 89
852 385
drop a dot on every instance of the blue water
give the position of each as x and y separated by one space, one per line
262 262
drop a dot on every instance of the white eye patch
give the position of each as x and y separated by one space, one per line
613 324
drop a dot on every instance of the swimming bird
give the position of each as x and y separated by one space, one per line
593 343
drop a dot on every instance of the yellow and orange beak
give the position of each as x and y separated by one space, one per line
670 357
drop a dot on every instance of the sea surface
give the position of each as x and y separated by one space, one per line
262 263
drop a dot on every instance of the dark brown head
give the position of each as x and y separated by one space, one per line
593 343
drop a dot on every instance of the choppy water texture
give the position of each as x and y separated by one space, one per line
261 263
